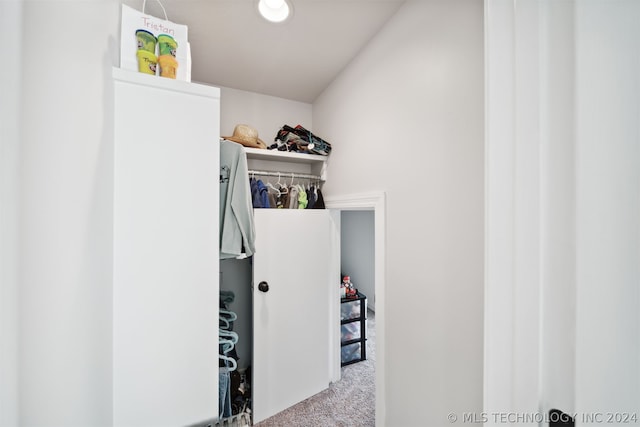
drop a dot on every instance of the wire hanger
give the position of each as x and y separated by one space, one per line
282 186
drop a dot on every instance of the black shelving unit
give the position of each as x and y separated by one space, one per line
353 329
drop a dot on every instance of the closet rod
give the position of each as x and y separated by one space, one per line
285 175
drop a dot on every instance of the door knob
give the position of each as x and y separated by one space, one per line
263 287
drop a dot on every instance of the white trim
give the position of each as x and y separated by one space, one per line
499 329
361 201
335 371
511 377
376 202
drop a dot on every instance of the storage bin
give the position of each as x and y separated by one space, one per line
353 329
350 331
351 353
350 310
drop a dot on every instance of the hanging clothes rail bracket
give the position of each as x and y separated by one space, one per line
284 175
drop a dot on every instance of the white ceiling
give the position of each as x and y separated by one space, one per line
232 46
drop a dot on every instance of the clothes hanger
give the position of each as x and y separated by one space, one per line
226 317
231 315
227 359
227 296
230 334
270 185
226 322
282 186
227 345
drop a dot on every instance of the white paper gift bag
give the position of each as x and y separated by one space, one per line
134 20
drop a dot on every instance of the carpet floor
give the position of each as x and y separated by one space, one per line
349 402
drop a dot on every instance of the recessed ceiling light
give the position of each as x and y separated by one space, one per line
275 10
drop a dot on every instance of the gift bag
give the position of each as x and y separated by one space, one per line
133 20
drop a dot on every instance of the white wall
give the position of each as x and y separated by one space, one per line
265 113
65 320
608 207
357 251
578 347
10 29
557 193
530 276
406 117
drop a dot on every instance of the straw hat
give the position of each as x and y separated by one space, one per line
247 136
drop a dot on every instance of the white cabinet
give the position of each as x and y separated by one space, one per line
165 266
165 274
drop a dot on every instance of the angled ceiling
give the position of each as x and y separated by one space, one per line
232 46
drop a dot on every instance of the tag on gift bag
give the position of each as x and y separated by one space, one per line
147 28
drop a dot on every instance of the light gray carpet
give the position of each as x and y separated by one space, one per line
348 403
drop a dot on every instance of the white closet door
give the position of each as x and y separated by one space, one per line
165 251
291 349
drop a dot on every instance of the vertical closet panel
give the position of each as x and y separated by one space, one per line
291 344
165 291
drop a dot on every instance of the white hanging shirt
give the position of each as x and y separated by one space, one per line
237 229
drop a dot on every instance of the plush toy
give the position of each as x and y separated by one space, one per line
349 290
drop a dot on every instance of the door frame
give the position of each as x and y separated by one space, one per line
375 201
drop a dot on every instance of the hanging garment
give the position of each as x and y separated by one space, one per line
263 194
320 201
224 393
256 201
273 199
237 229
311 196
228 364
302 198
293 197
282 200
